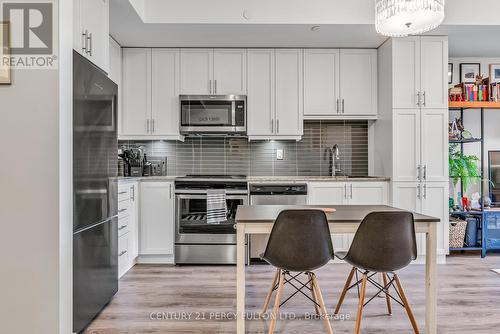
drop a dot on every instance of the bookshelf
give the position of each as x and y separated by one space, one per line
460 106
474 104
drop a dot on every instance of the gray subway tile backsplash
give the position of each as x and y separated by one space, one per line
230 155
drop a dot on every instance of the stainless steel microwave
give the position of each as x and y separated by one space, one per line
213 114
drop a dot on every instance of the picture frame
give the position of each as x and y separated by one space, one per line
469 71
494 73
5 71
450 73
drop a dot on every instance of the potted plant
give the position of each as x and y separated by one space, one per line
463 167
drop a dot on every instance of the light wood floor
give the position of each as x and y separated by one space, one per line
468 300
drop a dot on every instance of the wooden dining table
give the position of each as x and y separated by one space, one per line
259 219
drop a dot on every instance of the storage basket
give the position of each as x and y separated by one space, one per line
457 233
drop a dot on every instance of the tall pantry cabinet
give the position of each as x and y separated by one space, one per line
411 135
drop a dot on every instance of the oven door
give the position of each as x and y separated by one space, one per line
191 220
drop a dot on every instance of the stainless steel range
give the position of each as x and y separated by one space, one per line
196 240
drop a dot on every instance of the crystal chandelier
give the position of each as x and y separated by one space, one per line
397 18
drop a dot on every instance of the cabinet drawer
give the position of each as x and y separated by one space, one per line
123 193
123 225
123 254
123 209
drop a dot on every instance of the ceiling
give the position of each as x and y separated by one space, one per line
130 31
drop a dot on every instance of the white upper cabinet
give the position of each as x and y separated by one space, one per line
230 71
433 78
150 94
289 92
321 82
340 83
91 31
419 74
358 82
135 117
260 99
275 94
165 93
406 144
434 144
196 71
406 72
213 71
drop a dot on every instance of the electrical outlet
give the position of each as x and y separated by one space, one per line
279 154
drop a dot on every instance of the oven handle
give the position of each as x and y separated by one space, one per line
200 196
203 192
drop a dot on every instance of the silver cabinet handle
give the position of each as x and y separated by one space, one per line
272 125
419 172
153 125
418 98
122 192
84 41
425 102
215 86
425 191
343 110
170 190
418 191
350 192
89 48
337 106
277 126
210 87
425 172
122 253
147 125
121 210
345 191
132 193
121 227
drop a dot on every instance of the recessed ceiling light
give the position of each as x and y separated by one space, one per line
315 28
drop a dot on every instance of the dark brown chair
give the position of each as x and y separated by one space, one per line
385 242
300 242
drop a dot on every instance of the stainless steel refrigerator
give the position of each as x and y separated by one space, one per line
95 217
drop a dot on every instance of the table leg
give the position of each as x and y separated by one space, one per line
240 279
430 280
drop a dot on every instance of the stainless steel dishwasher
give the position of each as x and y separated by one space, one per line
273 194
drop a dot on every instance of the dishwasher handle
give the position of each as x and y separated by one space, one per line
278 189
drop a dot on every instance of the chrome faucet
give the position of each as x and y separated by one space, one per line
334 160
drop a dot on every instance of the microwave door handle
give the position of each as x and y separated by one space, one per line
233 113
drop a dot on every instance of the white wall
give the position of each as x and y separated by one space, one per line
29 214
472 116
35 237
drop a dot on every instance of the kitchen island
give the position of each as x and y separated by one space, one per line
259 219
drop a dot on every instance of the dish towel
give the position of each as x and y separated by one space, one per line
216 206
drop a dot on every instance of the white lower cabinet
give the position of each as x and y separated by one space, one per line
429 198
347 193
156 222
128 229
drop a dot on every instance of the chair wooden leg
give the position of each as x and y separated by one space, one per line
344 291
277 302
387 298
319 298
407 304
270 293
360 304
313 294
